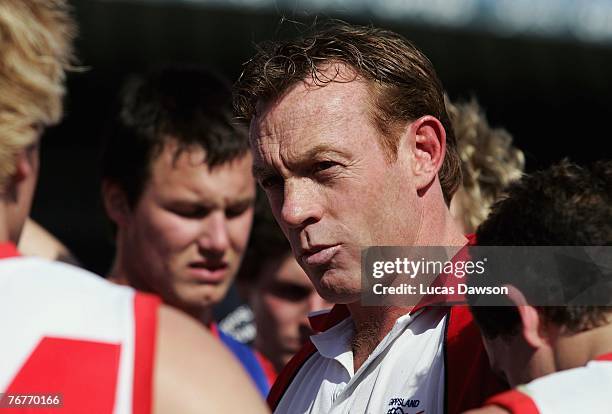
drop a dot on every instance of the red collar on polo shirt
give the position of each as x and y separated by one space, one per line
8 249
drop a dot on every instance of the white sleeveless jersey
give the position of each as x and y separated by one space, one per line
67 331
586 389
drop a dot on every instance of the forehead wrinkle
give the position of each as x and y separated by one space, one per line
196 183
293 128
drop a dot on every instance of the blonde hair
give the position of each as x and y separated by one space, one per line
489 161
35 50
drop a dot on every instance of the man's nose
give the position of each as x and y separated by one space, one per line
214 237
300 205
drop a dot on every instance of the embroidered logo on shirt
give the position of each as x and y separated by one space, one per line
401 405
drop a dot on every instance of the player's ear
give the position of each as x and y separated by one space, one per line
115 202
26 164
428 145
531 322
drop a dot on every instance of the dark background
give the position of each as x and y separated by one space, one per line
551 94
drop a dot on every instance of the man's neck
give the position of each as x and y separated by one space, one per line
372 324
576 350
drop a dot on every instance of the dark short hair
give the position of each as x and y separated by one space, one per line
565 205
403 81
189 104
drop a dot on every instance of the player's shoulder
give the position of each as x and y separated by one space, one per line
595 379
39 270
35 279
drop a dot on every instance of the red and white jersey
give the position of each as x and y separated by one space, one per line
586 389
67 331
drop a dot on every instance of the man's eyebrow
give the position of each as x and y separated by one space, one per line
321 149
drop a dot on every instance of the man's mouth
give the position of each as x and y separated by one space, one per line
319 255
209 272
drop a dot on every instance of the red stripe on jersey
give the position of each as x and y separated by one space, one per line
145 321
605 357
514 401
268 368
83 372
8 249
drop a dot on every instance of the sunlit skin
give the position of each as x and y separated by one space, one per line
318 158
185 238
333 189
281 301
457 210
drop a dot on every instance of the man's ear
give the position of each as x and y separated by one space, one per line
428 149
26 163
531 322
115 202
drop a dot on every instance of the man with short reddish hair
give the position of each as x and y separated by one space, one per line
353 147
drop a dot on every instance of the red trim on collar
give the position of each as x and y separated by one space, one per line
514 401
324 321
448 280
8 249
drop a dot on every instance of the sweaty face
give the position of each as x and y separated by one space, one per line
281 303
317 156
185 238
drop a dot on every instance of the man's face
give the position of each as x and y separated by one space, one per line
317 156
281 303
185 237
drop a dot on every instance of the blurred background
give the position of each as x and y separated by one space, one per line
540 68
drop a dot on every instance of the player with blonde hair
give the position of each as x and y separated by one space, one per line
69 338
489 163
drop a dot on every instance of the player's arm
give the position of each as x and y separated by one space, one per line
194 373
489 409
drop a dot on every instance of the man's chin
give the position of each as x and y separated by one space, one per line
201 300
341 297
333 288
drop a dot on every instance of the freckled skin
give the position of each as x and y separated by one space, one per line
317 153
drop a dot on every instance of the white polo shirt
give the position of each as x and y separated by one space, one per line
404 374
